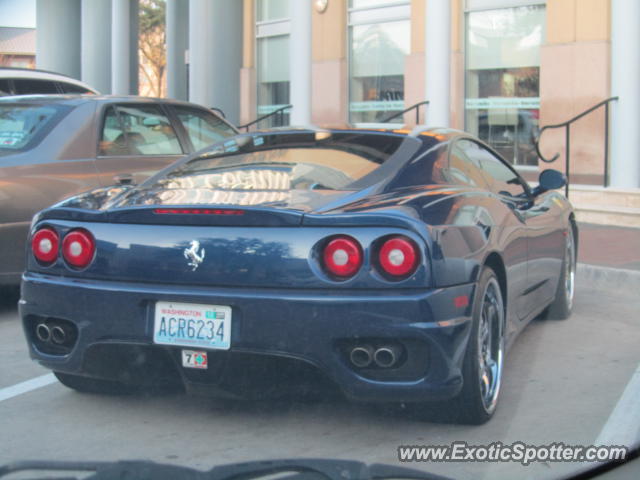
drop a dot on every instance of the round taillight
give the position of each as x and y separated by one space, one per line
342 257
398 256
78 248
44 245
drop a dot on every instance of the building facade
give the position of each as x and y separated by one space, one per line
500 69
17 47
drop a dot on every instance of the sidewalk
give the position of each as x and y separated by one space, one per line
608 246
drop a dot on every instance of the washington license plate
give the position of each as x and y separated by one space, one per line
192 325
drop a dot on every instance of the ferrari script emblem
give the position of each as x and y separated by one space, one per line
194 254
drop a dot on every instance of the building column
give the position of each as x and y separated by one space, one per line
438 62
300 62
177 45
329 79
124 47
248 87
215 55
95 54
625 78
58 38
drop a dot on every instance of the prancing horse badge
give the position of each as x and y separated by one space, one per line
194 254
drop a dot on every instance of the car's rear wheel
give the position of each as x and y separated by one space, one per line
482 365
561 307
94 385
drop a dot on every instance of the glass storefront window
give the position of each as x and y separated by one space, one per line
373 3
273 73
267 10
272 57
378 46
503 79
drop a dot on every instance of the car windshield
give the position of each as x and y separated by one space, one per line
22 125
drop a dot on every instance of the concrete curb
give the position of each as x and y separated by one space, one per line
607 278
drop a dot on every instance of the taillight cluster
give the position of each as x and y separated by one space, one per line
398 256
342 257
395 257
45 243
78 247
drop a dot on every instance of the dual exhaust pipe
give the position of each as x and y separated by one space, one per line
54 333
385 356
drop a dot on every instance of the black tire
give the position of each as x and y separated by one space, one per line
560 308
94 385
483 361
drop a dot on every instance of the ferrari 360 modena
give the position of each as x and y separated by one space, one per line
396 266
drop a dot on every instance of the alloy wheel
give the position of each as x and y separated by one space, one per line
490 345
570 269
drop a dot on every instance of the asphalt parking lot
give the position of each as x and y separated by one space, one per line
562 381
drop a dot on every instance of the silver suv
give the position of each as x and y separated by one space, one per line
25 81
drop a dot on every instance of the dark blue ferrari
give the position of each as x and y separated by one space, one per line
397 266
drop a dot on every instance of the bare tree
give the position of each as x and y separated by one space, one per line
152 38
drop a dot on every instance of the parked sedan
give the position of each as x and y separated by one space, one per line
52 147
399 267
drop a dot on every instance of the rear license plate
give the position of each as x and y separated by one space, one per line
194 359
192 325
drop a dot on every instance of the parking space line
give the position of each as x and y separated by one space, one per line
623 425
27 386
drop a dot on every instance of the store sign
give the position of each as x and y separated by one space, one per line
377 106
492 103
267 109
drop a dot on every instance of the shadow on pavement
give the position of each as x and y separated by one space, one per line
428 413
9 297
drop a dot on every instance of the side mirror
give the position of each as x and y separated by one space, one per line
550 180
123 179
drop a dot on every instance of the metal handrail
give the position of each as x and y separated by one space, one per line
219 111
415 106
567 151
279 112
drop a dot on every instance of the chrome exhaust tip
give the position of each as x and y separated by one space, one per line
58 335
43 332
361 356
386 357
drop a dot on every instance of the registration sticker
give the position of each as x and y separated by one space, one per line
194 359
192 325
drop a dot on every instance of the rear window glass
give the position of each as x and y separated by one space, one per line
328 165
20 125
203 128
280 169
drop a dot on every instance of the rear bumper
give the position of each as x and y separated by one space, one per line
311 327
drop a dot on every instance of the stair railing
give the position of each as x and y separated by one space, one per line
567 148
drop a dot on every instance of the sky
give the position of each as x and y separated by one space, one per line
18 13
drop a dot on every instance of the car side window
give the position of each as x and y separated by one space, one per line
203 128
130 130
463 170
502 179
71 88
24 86
5 88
